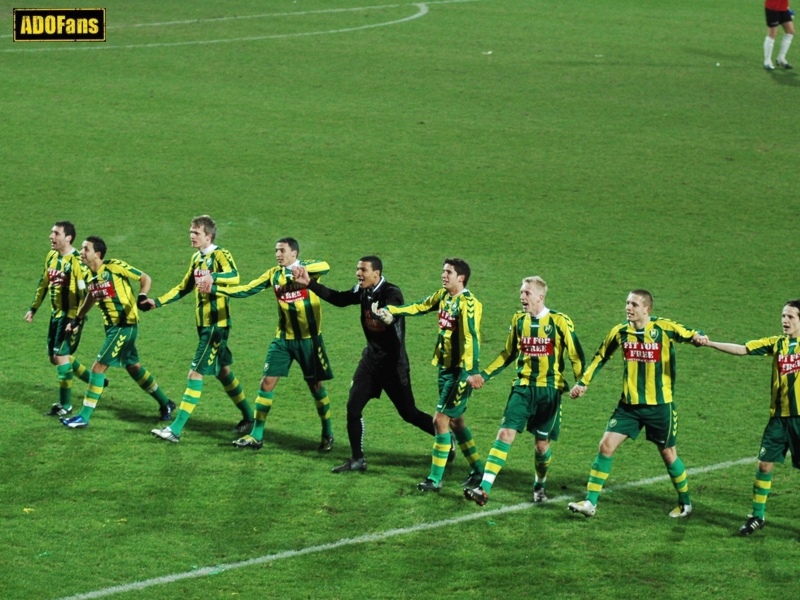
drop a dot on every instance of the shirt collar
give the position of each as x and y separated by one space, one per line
208 250
542 314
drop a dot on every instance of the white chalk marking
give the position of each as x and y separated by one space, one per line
422 10
373 537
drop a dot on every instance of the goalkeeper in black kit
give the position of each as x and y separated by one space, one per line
384 362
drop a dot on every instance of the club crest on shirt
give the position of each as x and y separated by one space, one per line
653 333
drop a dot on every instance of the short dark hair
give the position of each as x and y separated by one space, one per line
208 225
291 242
793 303
460 266
374 261
98 244
69 229
646 296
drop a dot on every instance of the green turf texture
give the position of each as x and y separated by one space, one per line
599 145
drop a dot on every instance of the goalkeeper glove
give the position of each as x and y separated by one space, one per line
142 303
383 315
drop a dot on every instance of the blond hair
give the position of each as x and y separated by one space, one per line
536 283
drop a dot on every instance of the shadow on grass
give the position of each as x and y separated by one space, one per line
785 77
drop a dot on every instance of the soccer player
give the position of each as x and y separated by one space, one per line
648 379
536 342
384 362
456 354
778 13
782 432
109 287
298 338
64 281
212 357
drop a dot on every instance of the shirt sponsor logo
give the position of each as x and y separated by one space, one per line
102 289
447 321
788 363
59 24
199 274
536 346
289 295
57 278
642 352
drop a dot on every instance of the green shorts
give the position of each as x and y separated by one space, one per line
660 422
309 353
119 349
781 434
59 342
454 391
537 409
212 351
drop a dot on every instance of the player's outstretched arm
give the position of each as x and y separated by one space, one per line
735 349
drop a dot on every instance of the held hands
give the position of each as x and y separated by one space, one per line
144 303
476 381
383 315
301 276
74 325
700 340
204 284
577 391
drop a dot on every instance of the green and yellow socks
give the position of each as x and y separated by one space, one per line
494 462
761 488
65 376
323 404
601 467
263 406
80 371
677 472
468 449
147 382
92 396
234 390
542 464
441 448
191 396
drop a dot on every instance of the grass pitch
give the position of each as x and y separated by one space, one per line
604 147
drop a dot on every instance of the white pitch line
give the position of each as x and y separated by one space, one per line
423 10
372 537
243 17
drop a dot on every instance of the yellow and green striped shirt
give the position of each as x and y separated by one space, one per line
210 309
538 346
648 375
111 289
459 338
64 280
785 370
299 309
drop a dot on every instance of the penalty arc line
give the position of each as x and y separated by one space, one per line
421 12
372 537
267 15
